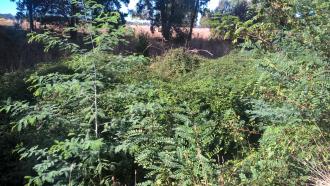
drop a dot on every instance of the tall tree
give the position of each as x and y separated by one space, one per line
238 8
172 14
112 5
28 6
162 13
198 6
73 20
65 9
40 8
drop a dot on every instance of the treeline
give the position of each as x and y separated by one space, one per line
170 15
7 16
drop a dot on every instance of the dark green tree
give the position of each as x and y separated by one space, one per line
59 10
198 6
28 6
172 15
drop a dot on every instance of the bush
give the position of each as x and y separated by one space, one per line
280 158
175 63
251 116
13 85
142 45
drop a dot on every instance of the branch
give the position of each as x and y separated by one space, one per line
196 51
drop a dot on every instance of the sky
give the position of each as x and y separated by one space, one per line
6 6
212 5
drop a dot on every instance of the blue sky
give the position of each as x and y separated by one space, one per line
212 4
6 6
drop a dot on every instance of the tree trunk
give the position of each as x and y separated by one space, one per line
193 18
164 21
73 20
30 10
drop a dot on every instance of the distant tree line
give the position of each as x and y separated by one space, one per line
7 16
48 11
170 15
238 8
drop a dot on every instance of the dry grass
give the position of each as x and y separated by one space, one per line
200 42
321 176
198 33
6 22
319 169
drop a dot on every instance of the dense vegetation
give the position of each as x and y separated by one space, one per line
257 116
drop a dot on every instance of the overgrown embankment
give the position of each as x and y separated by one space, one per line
177 119
16 53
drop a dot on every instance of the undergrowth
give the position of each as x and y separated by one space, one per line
182 120
257 116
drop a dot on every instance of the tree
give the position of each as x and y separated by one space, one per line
88 162
73 20
40 8
198 6
112 5
62 10
269 21
239 8
171 15
29 6
163 13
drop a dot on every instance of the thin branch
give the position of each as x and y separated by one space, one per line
195 51
95 76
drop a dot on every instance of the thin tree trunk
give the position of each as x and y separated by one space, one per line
164 21
73 20
30 10
192 20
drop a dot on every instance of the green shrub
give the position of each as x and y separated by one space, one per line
238 120
142 45
280 158
13 85
177 130
175 63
